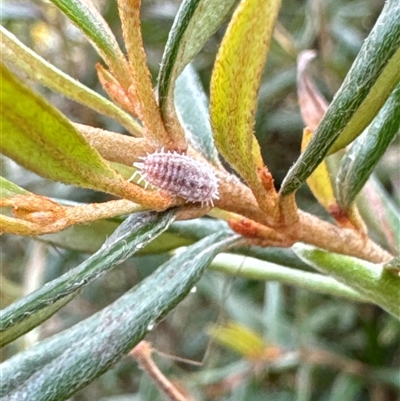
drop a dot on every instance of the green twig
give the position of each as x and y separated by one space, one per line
256 269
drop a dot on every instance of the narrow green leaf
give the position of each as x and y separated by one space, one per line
375 99
370 81
199 228
89 20
372 281
195 22
132 235
86 238
8 189
41 139
56 368
192 106
16 53
364 154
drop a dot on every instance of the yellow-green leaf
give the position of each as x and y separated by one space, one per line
8 189
234 87
371 281
41 139
239 338
17 54
320 184
319 181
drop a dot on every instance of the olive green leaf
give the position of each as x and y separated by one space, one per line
195 22
234 87
17 54
41 139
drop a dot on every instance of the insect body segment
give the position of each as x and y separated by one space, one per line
180 175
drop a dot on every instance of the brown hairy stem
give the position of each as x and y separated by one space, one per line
140 92
320 233
114 89
237 198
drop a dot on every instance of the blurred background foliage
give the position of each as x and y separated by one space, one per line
329 349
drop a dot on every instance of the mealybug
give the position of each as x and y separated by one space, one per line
180 175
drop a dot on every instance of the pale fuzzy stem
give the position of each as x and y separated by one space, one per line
237 198
69 216
113 146
140 92
341 240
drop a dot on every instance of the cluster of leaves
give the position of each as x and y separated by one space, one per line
40 138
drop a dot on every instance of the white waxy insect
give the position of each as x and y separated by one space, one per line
180 175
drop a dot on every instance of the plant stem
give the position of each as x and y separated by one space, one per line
256 269
340 240
235 197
